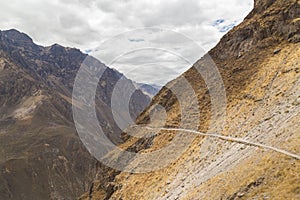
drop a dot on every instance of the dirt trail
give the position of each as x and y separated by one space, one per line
230 139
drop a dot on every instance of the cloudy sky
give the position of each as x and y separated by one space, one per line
113 31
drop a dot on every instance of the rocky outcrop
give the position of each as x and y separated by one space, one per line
269 23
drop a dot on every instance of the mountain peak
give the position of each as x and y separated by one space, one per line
36 86
16 35
56 48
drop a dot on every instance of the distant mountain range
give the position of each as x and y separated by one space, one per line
149 89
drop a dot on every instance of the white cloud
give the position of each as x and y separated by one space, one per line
86 23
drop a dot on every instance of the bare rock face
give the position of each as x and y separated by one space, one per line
262 5
270 22
259 64
41 155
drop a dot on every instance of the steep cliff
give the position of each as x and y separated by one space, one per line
259 63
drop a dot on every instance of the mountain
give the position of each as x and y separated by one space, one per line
149 89
41 155
258 62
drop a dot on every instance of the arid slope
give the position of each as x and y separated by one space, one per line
259 64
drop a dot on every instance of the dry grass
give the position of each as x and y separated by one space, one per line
271 86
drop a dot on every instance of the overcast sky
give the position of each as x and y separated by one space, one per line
111 30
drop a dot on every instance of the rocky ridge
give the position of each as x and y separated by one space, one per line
41 155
